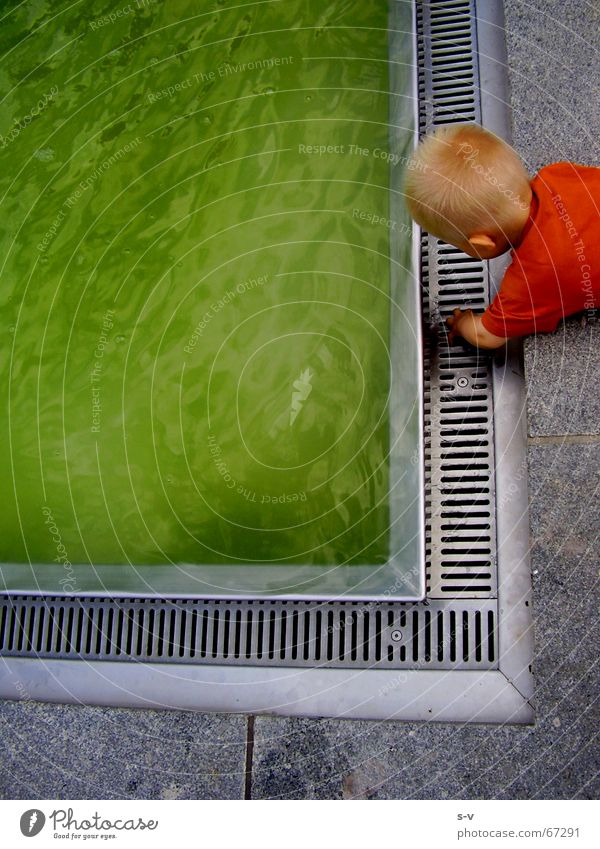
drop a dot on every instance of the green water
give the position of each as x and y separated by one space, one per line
194 284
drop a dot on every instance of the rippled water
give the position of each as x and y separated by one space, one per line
195 282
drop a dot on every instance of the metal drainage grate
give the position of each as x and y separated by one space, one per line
436 636
459 454
450 642
448 76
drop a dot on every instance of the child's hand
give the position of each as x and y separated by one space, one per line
453 323
468 324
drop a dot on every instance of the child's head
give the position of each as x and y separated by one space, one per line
468 187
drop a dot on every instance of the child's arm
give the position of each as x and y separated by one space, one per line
469 325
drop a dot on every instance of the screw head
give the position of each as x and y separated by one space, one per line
462 382
396 636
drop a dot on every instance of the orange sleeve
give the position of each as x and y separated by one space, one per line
512 312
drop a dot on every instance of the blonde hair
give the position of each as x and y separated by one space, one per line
463 180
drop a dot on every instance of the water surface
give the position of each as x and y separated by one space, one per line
195 282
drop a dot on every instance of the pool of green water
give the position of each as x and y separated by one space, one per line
196 287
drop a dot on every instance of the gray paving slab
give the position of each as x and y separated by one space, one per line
76 752
554 69
564 488
558 758
562 372
554 72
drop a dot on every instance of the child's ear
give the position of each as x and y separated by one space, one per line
482 240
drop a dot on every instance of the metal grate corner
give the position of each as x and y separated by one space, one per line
457 627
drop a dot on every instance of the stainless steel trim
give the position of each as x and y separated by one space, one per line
347 694
512 493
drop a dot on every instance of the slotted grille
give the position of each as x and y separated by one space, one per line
459 453
448 71
456 627
460 450
462 481
295 633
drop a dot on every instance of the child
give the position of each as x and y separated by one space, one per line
469 188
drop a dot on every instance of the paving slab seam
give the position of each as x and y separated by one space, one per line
565 439
249 758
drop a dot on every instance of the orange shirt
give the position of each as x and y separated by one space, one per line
555 270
